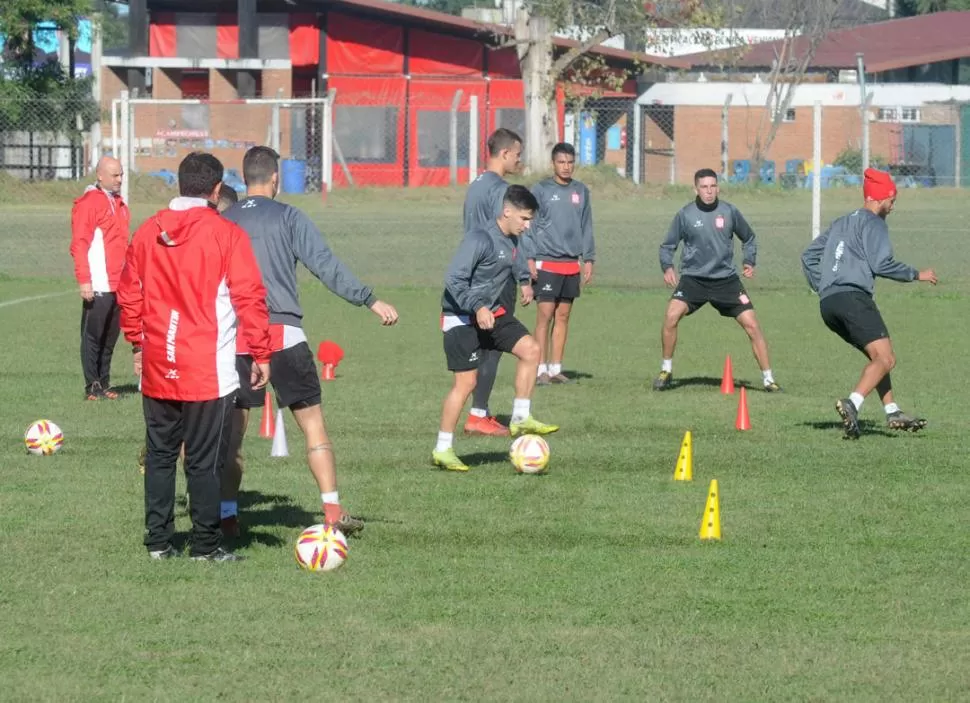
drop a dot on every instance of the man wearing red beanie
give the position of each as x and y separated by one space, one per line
841 266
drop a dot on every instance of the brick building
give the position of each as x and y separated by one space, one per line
396 70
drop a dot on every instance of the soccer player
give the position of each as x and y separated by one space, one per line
282 236
188 274
707 228
841 266
474 320
562 236
483 204
100 221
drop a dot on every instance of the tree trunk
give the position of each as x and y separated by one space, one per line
534 43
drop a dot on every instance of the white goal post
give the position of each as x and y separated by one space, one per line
237 122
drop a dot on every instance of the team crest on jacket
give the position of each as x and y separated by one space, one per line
575 198
719 222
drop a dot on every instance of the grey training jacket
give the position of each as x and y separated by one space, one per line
850 254
563 227
486 261
281 236
708 238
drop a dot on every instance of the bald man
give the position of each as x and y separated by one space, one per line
99 240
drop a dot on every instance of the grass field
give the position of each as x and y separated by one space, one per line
842 573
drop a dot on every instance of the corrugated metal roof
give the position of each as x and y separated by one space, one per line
830 94
463 25
911 41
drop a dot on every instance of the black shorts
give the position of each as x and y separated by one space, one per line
464 344
293 374
854 317
726 295
555 287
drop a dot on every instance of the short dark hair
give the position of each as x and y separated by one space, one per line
501 140
704 173
563 148
521 198
227 196
199 174
259 165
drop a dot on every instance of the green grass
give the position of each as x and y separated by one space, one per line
841 575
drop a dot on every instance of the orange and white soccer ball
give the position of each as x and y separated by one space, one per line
530 454
43 438
321 548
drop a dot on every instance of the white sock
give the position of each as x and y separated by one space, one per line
520 409
768 378
555 369
856 400
331 497
478 412
667 365
228 508
543 369
444 441
891 408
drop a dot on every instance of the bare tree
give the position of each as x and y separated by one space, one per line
808 24
593 22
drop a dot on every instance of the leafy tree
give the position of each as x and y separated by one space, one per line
19 17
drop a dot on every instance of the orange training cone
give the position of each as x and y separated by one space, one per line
727 379
744 421
267 427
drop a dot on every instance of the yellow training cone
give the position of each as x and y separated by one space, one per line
685 462
711 522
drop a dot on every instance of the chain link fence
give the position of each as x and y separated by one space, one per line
924 146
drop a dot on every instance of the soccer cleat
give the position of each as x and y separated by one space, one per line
230 526
560 378
448 460
850 418
663 380
485 426
159 554
772 387
543 379
218 555
901 421
109 394
348 524
141 459
531 426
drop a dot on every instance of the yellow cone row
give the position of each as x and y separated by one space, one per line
684 471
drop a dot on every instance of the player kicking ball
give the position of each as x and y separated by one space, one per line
841 266
473 321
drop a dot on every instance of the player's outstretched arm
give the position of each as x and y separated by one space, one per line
668 247
749 242
879 253
812 260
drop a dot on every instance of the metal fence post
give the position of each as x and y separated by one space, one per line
125 144
472 138
453 137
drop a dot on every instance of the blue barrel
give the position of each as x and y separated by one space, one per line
293 175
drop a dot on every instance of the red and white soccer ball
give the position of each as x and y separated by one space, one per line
321 548
530 454
43 438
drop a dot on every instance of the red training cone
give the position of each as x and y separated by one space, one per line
329 354
267 428
327 373
744 421
727 379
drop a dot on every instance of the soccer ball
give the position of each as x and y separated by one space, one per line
321 548
43 438
530 454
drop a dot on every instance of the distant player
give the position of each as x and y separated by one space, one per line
227 198
483 204
282 236
707 228
474 320
100 222
561 237
841 266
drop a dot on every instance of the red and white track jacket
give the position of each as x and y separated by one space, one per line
188 274
99 237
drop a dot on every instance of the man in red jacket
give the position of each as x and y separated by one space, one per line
190 277
99 237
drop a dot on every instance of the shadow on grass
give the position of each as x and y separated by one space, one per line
482 458
868 427
710 382
126 389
